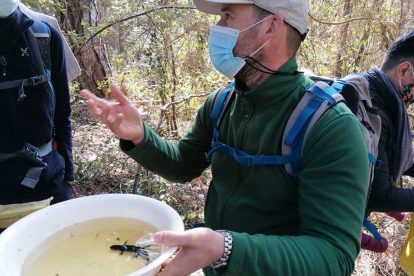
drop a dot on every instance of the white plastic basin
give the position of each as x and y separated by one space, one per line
20 240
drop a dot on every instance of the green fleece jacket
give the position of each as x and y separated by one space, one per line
311 226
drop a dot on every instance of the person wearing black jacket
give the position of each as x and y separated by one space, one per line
35 142
391 89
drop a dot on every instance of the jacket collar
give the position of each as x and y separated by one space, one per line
276 87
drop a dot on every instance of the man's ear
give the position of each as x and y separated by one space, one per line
276 23
404 68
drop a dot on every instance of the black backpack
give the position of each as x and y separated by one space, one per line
38 37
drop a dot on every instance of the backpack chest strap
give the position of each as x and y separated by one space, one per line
33 81
246 159
20 84
221 103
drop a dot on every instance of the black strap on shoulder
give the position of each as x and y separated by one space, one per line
37 61
41 31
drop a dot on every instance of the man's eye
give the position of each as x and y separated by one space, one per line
227 15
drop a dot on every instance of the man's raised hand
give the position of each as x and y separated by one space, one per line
121 116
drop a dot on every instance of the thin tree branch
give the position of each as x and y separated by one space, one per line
135 16
185 99
338 23
164 108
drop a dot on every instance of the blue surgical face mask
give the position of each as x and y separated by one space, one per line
221 44
7 7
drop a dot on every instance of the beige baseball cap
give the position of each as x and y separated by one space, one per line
295 12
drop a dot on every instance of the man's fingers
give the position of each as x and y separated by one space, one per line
86 94
117 94
178 266
169 238
111 118
164 264
95 104
117 119
114 123
199 247
94 109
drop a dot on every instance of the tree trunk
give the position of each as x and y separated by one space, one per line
364 38
341 40
174 127
81 17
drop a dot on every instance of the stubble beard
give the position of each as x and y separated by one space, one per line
248 74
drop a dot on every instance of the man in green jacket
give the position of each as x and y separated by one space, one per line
273 224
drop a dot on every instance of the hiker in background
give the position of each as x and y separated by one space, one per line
259 219
392 90
36 141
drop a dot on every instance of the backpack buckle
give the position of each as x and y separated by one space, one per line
35 80
32 150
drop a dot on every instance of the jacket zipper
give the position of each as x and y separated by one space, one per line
245 126
3 63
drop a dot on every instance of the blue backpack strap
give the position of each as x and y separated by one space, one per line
317 99
220 104
372 229
301 120
246 159
222 100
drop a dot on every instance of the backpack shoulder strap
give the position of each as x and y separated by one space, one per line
41 32
366 114
318 98
221 102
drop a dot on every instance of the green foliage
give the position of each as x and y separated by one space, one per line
153 186
46 6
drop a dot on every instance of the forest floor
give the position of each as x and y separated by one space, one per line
101 167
